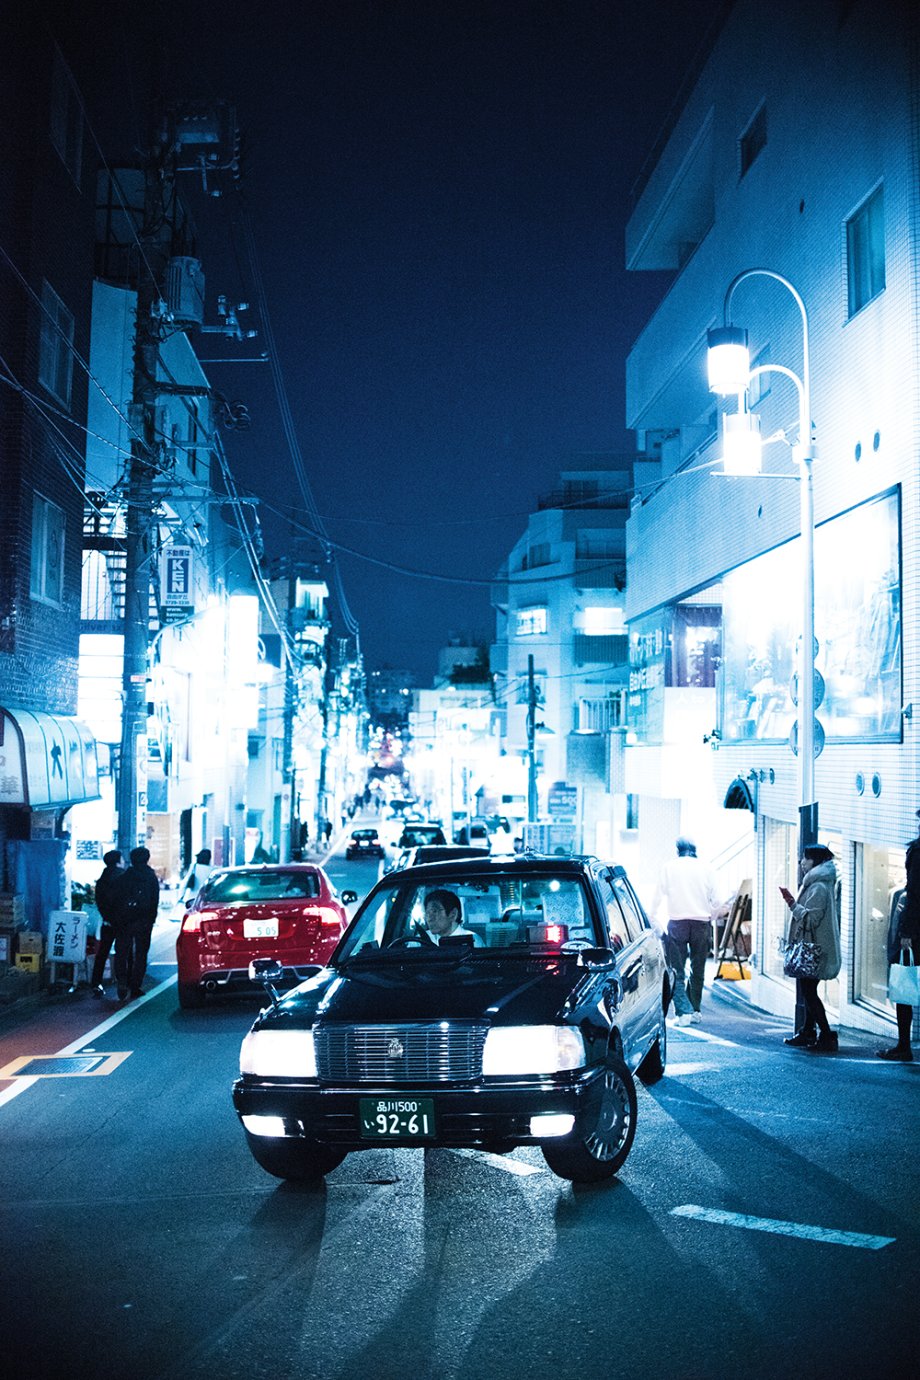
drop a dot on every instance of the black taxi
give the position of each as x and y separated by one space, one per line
479 1003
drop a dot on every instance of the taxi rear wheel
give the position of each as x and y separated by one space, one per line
603 1136
288 1158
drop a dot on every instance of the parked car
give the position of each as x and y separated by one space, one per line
365 843
475 832
289 911
522 1027
416 835
433 852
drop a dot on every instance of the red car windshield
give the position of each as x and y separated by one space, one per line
228 888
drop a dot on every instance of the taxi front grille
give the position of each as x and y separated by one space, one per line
436 1052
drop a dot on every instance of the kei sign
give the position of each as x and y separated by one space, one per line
176 580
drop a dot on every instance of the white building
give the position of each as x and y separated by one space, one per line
795 153
559 599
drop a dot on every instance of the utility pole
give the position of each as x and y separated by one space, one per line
531 744
131 797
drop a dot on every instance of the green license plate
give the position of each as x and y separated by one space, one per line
389 1118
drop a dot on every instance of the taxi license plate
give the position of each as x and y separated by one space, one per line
260 929
386 1118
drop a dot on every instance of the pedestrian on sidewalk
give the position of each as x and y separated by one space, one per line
814 916
904 938
689 889
137 900
195 878
107 906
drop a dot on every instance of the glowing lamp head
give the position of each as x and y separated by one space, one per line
741 443
728 359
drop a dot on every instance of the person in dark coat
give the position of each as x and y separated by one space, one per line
137 899
814 915
107 906
904 937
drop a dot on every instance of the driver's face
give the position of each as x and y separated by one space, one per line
439 920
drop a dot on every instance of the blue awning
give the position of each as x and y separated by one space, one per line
46 760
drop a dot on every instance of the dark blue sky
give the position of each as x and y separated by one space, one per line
437 191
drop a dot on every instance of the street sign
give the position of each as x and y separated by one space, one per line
176 582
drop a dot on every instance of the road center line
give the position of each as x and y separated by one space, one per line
780 1228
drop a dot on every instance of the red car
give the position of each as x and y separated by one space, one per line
288 911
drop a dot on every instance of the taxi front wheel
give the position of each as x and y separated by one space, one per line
289 1158
604 1133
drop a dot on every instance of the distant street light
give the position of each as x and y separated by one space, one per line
730 372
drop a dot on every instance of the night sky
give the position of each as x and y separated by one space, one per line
437 191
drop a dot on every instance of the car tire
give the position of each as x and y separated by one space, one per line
603 1135
191 997
289 1158
653 1065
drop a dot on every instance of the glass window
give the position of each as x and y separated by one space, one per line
695 646
66 128
46 575
781 858
531 622
857 626
252 887
866 252
511 913
753 139
635 920
780 869
881 879
55 346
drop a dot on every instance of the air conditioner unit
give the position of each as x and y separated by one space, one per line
185 291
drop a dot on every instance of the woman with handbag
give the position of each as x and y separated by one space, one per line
813 945
904 944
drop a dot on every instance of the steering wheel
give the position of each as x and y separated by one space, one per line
420 937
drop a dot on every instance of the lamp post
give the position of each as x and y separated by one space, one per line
730 373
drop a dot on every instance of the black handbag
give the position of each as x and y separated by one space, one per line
801 957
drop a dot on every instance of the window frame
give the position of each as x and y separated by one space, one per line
40 568
866 257
55 346
65 119
753 140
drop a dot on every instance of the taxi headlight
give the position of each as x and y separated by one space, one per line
279 1054
522 1049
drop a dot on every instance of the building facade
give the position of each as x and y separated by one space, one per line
560 610
792 172
48 758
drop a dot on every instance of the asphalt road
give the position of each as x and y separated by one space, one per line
765 1223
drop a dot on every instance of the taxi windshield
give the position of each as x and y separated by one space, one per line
479 913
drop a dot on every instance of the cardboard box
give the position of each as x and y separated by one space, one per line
30 941
12 909
29 963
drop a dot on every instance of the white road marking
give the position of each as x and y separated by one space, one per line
22 1084
510 1166
780 1228
676 1070
696 1034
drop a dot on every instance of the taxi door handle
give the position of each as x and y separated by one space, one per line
630 973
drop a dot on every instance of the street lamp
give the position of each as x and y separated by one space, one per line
730 373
